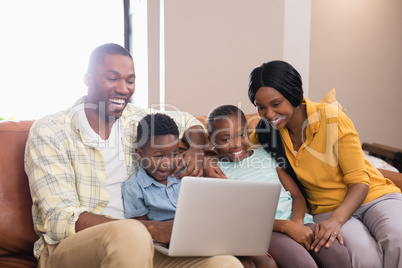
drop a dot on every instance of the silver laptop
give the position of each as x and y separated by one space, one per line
219 216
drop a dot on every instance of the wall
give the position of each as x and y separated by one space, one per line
212 46
356 49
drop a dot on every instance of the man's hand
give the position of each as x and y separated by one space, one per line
211 168
161 231
193 158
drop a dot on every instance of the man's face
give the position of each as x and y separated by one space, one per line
111 86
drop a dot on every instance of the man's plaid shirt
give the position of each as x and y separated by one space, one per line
67 175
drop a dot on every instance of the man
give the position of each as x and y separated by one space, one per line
77 160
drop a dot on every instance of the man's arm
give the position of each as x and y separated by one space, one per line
161 231
211 168
49 165
88 219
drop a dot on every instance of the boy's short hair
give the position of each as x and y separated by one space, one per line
157 124
223 112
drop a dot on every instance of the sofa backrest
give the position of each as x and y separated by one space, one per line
17 235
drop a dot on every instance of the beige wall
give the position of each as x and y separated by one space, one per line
212 46
356 48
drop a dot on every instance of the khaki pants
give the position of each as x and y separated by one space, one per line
122 243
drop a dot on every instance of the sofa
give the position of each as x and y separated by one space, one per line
17 235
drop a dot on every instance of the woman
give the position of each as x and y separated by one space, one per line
318 145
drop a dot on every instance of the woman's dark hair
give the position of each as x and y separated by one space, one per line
286 80
279 75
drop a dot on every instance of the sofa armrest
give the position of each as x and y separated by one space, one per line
391 155
395 177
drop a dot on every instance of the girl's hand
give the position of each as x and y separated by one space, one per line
326 232
301 234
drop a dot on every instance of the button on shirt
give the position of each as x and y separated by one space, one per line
142 195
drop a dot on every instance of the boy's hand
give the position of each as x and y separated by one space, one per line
193 158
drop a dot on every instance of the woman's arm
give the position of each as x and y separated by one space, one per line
324 231
351 162
299 203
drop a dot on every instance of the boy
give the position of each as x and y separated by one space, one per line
151 193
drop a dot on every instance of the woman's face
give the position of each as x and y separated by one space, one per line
274 107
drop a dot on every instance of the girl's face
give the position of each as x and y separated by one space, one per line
230 138
274 107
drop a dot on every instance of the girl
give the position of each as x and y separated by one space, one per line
293 229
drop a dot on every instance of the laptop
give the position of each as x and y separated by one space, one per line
222 217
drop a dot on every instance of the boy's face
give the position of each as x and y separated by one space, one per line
230 137
159 156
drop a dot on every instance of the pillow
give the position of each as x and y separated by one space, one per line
379 163
330 98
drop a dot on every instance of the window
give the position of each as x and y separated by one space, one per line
45 50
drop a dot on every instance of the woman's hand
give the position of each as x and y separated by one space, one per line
326 232
211 168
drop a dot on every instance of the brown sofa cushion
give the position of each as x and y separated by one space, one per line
16 229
